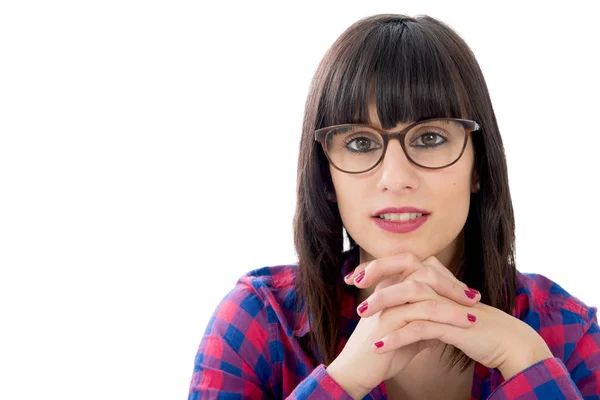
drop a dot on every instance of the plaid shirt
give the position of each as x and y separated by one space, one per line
251 347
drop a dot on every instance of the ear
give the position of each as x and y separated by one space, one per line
330 195
475 185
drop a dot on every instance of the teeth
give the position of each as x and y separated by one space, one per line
400 217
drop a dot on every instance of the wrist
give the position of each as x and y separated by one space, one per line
355 390
523 360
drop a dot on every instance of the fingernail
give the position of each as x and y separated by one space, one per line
470 294
360 276
471 317
474 290
349 275
363 306
379 344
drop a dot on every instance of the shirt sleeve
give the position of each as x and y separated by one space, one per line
577 378
238 356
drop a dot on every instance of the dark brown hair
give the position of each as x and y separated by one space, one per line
413 68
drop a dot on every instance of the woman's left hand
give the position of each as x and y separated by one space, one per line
496 340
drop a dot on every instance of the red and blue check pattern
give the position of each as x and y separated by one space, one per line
251 347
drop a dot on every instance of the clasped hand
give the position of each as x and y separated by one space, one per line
421 301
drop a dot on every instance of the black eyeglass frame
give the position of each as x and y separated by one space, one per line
469 125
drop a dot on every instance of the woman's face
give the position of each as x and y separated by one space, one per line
396 182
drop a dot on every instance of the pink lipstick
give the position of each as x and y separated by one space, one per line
400 226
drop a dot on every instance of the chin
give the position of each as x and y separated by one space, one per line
378 251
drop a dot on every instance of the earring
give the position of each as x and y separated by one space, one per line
477 186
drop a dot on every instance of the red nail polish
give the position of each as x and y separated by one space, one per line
471 317
349 275
470 295
474 290
379 344
360 276
363 307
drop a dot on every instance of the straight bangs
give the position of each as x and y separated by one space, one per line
402 66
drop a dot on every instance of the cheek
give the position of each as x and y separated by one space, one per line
343 188
349 191
455 195
460 174
344 184
452 202
454 187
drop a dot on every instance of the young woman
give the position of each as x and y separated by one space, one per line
400 148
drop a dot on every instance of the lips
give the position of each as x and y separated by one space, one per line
400 226
400 210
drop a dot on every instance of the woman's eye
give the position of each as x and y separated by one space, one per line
361 144
429 139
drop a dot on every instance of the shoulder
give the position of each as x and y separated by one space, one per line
273 278
544 294
273 285
269 291
558 316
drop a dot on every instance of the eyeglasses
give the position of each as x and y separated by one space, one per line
433 143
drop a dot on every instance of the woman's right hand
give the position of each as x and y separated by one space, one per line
414 290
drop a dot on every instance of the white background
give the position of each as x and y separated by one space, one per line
148 159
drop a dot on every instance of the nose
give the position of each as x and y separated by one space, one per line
398 172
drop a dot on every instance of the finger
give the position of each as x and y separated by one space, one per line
395 295
387 283
445 287
417 331
400 264
433 262
424 284
446 312
349 279
436 264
